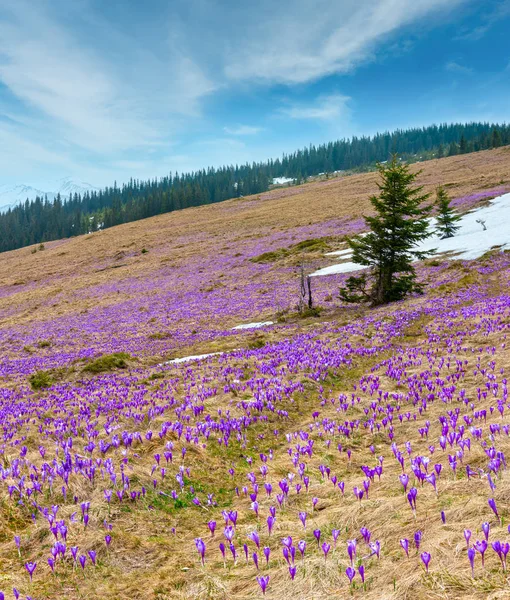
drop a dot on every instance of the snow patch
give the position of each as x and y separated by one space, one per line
470 241
253 325
282 180
189 358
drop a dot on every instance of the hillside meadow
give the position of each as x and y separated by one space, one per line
349 452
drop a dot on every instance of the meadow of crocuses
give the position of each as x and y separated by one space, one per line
356 453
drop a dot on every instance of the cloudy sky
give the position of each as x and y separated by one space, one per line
103 91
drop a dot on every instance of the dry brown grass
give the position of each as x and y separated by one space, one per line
81 263
147 561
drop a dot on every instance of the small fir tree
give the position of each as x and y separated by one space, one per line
446 219
388 249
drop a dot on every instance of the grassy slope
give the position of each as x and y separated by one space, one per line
147 559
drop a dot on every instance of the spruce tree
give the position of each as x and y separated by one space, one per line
446 218
388 249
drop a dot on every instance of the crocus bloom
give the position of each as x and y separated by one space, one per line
492 504
326 548
270 523
292 572
302 547
200 548
350 572
302 518
467 535
486 528
92 555
82 559
471 555
254 537
263 581
481 546
351 550
417 539
30 567
317 535
405 545
256 560
335 533
267 552
361 571
404 480
425 557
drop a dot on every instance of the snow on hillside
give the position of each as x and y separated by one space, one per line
11 195
281 180
470 241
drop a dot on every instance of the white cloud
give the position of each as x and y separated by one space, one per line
455 67
324 108
242 130
101 101
304 40
97 92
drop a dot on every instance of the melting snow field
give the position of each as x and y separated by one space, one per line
188 358
253 325
281 180
470 241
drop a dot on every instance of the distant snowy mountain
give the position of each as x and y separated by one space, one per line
11 195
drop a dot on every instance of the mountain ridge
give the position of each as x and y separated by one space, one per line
12 195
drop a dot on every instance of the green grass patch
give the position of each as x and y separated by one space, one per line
303 247
41 380
108 362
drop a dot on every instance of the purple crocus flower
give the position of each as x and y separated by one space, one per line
411 497
326 548
417 539
255 557
287 541
404 480
292 572
335 533
492 504
375 547
31 567
350 572
108 540
467 535
302 518
351 550
302 547
471 555
212 527
486 529
425 557
222 550
361 571
92 555
267 552
199 543
270 523
254 537
481 546
317 535
405 545
82 560
263 581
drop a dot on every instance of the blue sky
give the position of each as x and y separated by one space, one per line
103 91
